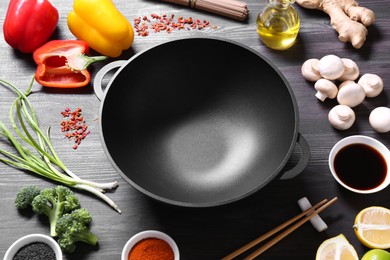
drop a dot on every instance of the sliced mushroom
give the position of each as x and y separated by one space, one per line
325 89
310 71
372 84
351 70
341 117
350 94
380 119
331 67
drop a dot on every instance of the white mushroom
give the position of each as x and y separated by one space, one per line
350 94
351 70
341 117
372 84
325 89
380 119
331 67
310 71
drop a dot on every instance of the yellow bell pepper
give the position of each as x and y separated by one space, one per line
101 25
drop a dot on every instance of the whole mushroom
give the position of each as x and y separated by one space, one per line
341 117
351 70
310 71
325 89
372 84
380 119
350 94
331 67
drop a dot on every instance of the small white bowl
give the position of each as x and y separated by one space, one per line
369 141
18 244
149 234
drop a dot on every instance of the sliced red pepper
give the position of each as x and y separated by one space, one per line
29 24
63 64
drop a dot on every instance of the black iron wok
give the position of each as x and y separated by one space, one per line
199 122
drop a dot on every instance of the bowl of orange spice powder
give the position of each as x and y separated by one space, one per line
150 245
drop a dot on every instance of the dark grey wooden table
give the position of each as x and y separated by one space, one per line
208 233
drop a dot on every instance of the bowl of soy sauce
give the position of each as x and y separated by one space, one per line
360 164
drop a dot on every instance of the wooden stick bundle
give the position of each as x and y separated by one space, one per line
230 8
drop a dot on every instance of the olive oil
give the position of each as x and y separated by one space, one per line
278 24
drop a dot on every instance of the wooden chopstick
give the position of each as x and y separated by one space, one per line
309 213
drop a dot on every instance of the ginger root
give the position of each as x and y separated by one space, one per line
346 17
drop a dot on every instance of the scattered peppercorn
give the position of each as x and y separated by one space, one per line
35 251
164 22
74 126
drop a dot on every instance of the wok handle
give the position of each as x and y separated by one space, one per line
97 82
301 165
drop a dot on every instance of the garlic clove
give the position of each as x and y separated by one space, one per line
351 70
380 119
331 67
372 84
325 89
310 71
350 94
341 117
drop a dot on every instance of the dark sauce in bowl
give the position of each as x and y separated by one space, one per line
360 166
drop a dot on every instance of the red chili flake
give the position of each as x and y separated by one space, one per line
164 22
74 126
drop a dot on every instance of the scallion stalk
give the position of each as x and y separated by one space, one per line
35 152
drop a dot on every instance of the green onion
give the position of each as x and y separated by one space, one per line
35 152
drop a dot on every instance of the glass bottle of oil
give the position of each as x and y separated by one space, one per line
278 24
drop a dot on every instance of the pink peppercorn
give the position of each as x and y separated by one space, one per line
158 23
74 126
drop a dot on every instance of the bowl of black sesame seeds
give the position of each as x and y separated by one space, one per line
34 247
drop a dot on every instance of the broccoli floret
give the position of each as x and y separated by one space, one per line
25 196
54 202
74 227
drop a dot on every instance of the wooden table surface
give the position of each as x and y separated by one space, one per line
206 233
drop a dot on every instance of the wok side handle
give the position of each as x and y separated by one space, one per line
98 80
301 165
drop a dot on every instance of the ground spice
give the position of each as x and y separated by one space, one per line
164 22
151 249
35 251
74 126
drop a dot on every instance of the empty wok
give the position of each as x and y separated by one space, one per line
199 122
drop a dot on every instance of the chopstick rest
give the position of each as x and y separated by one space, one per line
316 221
294 224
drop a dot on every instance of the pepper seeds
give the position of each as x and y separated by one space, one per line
164 22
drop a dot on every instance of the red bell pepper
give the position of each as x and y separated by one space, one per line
63 64
29 24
